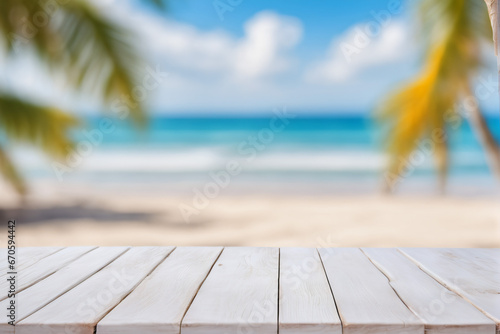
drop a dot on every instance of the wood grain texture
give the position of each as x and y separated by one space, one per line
366 302
473 274
491 255
443 311
37 296
306 303
27 256
43 268
152 290
79 310
159 303
240 295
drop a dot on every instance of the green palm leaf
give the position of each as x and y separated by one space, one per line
43 127
10 173
96 55
39 126
87 36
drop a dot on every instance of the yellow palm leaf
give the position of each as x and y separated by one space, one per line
419 111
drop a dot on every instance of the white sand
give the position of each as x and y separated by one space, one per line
104 219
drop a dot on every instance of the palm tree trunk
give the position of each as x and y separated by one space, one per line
493 9
477 119
483 133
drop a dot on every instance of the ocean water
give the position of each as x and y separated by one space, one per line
255 154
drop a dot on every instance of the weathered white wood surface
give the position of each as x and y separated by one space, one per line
37 296
442 310
43 268
26 256
306 304
79 310
240 295
159 303
473 274
365 300
189 290
490 255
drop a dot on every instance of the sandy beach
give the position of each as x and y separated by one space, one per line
288 126
68 218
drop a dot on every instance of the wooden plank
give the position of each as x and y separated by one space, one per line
306 303
472 275
37 296
443 311
79 310
240 295
43 268
365 300
158 304
492 255
27 256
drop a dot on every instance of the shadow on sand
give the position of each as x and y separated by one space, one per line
76 213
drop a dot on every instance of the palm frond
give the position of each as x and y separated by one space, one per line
10 173
6 27
95 53
40 126
88 36
418 111
436 18
414 113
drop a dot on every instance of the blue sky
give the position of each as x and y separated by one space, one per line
300 39
260 55
321 19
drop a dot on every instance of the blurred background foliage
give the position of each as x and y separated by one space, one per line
96 55
453 34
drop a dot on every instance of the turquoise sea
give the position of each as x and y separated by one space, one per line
320 154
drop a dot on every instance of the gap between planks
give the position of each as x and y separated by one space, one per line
278 281
132 290
198 290
389 282
278 284
404 276
331 290
432 276
454 288
447 286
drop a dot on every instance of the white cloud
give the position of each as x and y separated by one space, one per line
210 65
359 49
262 51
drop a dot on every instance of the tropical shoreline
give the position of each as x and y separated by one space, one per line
79 216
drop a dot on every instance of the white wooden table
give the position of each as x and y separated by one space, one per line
191 290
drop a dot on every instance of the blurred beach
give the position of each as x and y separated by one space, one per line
309 181
261 123
298 154
79 217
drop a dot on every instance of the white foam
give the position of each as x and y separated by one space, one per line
178 160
